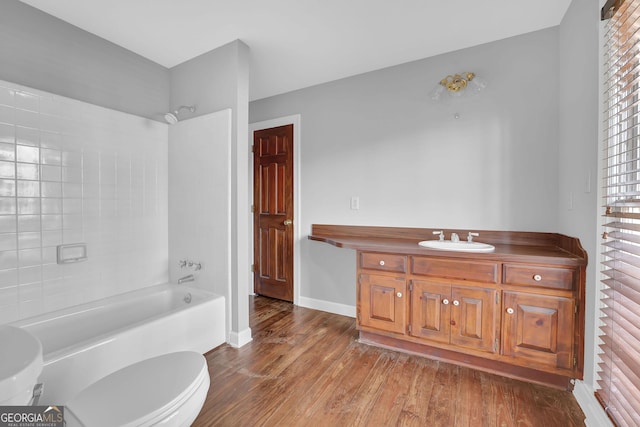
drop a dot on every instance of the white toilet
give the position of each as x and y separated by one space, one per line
167 390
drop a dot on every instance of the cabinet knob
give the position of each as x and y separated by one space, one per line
445 301
537 277
381 262
510 310
456 302
399 294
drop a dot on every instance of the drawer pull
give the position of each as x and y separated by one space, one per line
510 310
537 277
399 294
445 301
381 262
456 302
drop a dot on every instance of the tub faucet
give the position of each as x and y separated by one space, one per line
454 237
188 278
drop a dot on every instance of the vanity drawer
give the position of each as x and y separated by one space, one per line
384 262
456 269
542 277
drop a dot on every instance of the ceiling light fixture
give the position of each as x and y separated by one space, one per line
458 84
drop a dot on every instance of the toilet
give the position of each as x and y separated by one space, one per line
167 390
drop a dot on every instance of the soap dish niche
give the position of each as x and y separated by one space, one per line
71 253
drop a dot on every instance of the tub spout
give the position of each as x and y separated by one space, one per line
188 278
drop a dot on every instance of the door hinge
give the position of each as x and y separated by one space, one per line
495 345
253 208
409 328
575 308
253 148
253 268
497 297
575 360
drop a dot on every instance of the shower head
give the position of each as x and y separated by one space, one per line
172 117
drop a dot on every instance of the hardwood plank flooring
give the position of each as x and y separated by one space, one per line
305 368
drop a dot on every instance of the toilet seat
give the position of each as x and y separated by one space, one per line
170 388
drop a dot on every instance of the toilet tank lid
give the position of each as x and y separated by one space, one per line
142 391
21 356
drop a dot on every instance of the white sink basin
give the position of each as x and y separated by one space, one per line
448 245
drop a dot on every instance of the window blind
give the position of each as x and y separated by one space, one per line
618 388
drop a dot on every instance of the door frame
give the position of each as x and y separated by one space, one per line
297 216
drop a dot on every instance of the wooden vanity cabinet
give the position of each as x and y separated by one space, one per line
382 289
517 312
540 315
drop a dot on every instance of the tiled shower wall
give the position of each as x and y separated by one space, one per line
72 172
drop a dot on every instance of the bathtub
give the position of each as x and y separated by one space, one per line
84 343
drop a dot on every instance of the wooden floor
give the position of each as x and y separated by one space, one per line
305 368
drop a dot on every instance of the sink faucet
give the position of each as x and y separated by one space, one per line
440 234
470 236
454 237
188 278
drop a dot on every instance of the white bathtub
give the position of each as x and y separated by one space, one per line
84 343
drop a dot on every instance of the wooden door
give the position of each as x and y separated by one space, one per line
382 302
273 212
473 318
430 310
539 329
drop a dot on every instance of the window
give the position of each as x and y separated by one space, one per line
619 367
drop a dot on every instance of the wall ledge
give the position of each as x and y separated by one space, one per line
595 416
328 306
239 339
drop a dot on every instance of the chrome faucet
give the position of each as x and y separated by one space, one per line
441 234
188 278
454 237
470 236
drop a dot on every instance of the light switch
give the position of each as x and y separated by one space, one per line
355 203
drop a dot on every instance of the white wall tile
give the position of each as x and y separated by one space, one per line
71 172
7 205
6 96
7 169
8 223
7 149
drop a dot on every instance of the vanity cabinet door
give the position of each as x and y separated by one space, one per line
473 318
464 316
431 310
539 329
382 302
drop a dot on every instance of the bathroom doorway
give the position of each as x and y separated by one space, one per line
273 212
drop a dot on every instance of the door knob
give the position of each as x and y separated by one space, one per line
288 222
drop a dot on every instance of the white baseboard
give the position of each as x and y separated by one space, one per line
330 307
595 415
238 339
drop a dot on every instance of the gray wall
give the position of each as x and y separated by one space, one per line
46 53
214 81
380 137
578 148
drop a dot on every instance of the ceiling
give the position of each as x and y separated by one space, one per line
300 43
